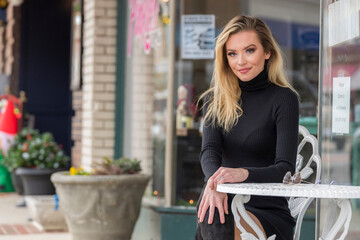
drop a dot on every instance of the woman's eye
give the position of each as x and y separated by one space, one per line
231 54
250 50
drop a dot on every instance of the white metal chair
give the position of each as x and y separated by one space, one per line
297 206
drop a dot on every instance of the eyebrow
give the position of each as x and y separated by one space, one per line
251 45
232 50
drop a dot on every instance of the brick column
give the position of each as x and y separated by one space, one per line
9 40
142 99
12 46
2 48
76 128
98 97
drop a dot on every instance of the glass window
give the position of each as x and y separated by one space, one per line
295 25
340 102
146 92
194 66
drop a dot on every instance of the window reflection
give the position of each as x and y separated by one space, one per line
146 93
340 129
295 25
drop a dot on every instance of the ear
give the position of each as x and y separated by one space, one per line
267 55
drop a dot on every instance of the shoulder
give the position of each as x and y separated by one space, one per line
285 100
284 94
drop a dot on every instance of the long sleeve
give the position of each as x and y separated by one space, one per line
211 149
286 114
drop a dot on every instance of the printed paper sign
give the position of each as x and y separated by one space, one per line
197 36
341 105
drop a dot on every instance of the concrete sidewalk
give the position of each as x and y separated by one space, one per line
15 223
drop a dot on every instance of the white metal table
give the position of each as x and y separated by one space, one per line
341 194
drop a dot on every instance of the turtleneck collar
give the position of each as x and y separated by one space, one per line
259 82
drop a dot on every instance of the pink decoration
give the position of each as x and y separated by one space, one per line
143 17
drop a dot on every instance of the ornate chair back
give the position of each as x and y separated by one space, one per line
299 205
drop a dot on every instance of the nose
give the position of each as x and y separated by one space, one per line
241 59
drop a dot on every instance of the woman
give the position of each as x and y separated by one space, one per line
251 130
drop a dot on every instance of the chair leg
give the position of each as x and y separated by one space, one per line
247 228
300 218
238 209
343 220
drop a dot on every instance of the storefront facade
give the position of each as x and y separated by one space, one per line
169 63
164 61
339 103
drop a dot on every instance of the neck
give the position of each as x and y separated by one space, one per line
261 81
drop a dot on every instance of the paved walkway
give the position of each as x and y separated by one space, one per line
15 224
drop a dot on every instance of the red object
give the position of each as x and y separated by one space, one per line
28 137
18 108
8 119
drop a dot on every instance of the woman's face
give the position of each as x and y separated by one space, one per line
245 55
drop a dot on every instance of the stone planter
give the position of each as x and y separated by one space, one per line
43 213
36 181
102 207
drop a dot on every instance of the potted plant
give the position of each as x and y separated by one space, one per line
34 157
105 203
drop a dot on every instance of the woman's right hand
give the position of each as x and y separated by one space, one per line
212 199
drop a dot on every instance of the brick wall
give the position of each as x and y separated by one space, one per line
2 48
98 90
142 98
76 128
9 39
12 46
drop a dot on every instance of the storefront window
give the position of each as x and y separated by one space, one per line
146 92
340 102
295 25
198 24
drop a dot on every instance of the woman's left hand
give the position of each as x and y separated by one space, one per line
228 175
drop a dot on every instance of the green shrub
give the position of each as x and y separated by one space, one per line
34 150
118 166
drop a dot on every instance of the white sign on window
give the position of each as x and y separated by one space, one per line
197 36
341 105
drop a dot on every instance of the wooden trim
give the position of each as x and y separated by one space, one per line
170 132
120 78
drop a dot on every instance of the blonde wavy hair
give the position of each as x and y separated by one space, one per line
223 98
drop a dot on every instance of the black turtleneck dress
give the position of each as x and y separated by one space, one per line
263 141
